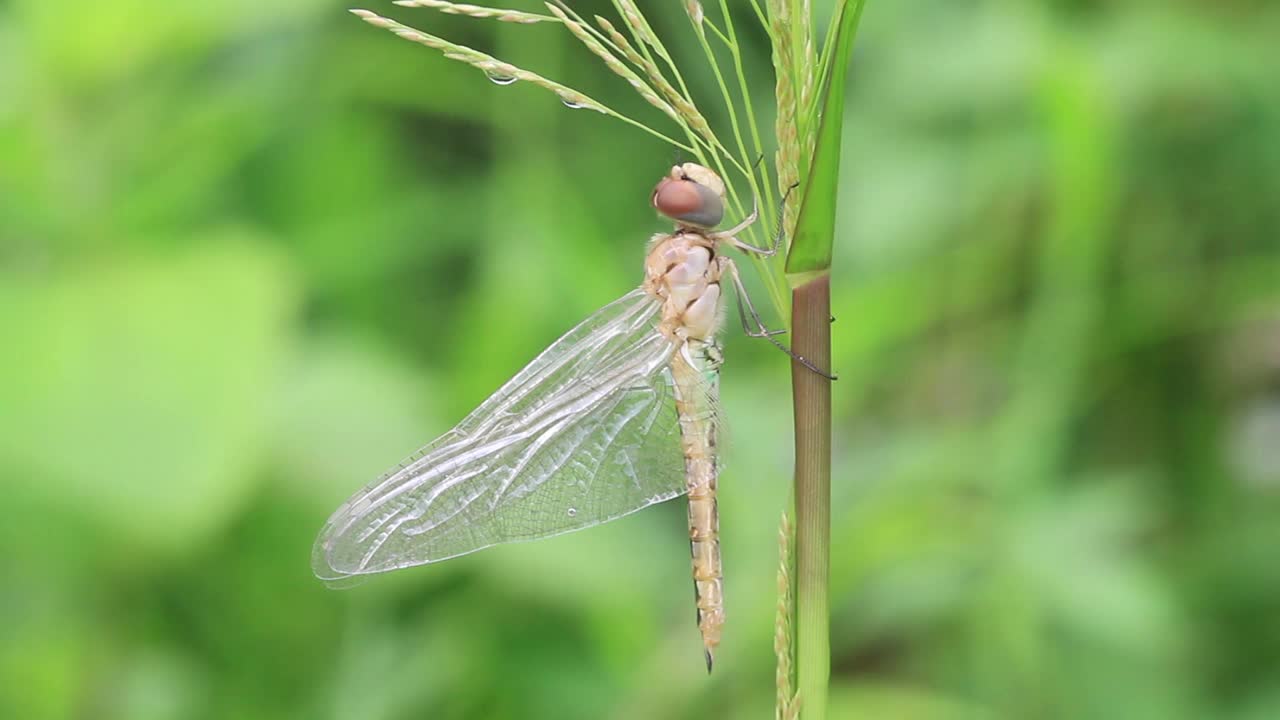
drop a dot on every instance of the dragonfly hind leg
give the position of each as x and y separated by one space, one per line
745 308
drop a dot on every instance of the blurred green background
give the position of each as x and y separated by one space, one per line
251 254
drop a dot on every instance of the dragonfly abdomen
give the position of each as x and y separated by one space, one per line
695 401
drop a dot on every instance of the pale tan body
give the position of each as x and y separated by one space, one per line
582 434
683 272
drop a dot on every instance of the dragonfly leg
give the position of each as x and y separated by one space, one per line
745 308
748 221
730 235
687 354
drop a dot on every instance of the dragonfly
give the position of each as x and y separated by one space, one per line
618 414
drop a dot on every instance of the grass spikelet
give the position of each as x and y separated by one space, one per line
621 42
689 116
807 69
613 63
683 104
688 111
787 159
783 641
476 11
644 33
696 13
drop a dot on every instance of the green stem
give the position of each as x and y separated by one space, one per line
811 393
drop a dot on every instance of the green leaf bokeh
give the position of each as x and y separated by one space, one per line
253 253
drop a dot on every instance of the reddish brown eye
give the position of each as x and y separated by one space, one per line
688 202
676 198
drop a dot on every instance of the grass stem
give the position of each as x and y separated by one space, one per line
811 398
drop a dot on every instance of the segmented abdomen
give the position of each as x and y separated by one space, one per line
696 391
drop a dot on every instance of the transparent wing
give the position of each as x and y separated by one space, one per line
586 433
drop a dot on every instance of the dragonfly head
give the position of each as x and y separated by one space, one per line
691 195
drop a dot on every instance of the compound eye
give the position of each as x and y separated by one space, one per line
688 202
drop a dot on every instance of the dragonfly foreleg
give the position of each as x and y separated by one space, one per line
745 308
730 236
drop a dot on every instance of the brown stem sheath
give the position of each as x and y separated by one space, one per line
811 392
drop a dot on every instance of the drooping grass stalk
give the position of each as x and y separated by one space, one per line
652 86
706 137
583 32
644 62
503 72
476 11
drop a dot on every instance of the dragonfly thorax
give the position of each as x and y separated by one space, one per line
683 272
